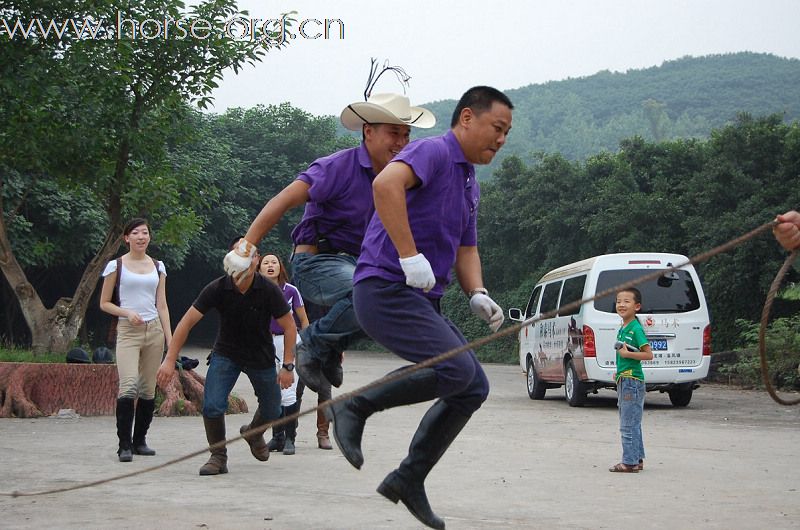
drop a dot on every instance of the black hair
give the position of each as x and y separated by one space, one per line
479 99
134 223
637 294
233 242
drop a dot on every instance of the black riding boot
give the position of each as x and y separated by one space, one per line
437 430
309 367
290 428
349 416
144 416
124 426
278 439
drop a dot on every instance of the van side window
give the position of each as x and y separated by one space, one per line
550 297
572 292
534 301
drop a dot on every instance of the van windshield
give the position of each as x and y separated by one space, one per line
672 293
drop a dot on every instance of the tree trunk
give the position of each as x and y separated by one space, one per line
54 329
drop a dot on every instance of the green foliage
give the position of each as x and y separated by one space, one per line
782 341
93 118
681 196
455 306
683 98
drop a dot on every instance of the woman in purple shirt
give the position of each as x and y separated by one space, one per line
272 268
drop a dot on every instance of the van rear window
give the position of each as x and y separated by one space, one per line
672 293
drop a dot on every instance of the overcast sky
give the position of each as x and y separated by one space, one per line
447 46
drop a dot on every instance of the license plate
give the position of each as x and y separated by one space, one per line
658 344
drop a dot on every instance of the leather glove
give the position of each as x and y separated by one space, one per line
418 272
486 309
238 261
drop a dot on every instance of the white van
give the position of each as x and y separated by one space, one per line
576 347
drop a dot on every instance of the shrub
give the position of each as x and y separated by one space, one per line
782 341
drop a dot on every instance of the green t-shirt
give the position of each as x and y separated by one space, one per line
633 335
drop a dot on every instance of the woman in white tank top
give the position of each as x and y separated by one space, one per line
140 303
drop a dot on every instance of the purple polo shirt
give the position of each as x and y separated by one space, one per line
340 201
442 212
293 298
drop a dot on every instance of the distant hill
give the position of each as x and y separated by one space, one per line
687 97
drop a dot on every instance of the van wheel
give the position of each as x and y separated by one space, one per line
536 388
680 395
573 388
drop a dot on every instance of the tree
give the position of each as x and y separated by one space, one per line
92 112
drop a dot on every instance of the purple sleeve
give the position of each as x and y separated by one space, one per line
423 158
322 181
297 299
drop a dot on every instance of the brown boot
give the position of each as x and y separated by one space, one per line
215 433
323 440
258 447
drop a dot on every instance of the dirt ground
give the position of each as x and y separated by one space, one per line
728 460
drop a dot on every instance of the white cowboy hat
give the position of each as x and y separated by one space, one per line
386 108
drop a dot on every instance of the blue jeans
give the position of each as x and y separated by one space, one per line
222 375
630 401
327 280
412 327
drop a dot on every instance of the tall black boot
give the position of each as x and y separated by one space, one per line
124 426
349 416
437 430
278 439
308 366
144 416
215 433
258 447
291 428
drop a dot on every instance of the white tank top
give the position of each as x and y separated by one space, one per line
138 291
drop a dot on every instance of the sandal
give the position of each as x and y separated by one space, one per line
624 468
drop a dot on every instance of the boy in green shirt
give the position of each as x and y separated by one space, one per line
633 349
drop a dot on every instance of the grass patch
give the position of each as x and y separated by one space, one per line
16 355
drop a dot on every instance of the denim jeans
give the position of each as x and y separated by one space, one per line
222 375
630 401
327 280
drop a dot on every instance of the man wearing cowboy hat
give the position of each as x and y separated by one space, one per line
337 192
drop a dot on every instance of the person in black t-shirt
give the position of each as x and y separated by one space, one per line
243 344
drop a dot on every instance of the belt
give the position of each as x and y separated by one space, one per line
313 249
277 334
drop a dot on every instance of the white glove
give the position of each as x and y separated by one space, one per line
238 261
418 272
486 309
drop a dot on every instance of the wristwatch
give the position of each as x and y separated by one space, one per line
476 291
288 367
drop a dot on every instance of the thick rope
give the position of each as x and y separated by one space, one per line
762 343
399 374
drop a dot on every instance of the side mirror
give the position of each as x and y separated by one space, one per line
515 314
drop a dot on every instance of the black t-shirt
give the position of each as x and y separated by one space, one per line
244 335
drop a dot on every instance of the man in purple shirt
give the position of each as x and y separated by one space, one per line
337 192
426 203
